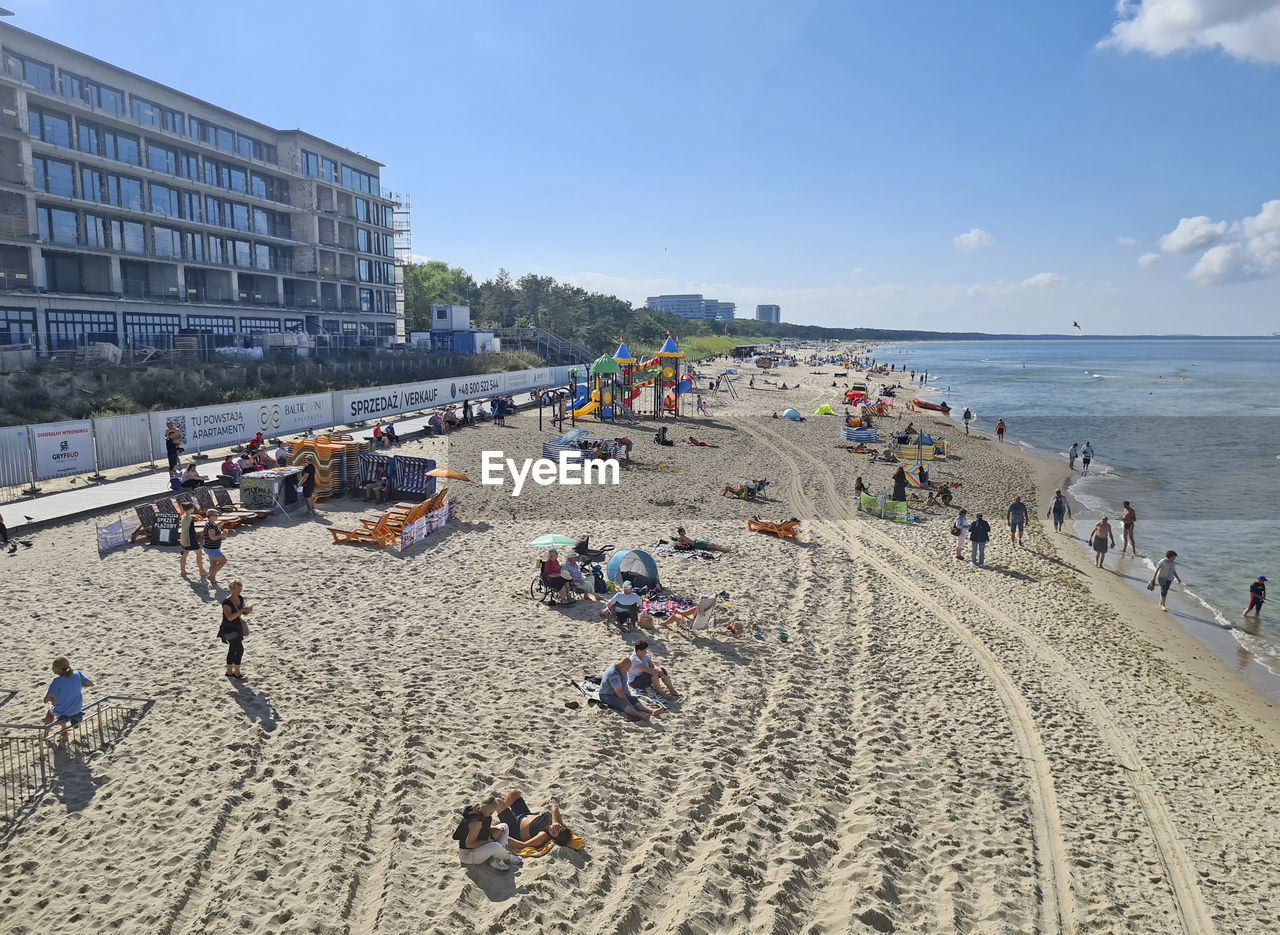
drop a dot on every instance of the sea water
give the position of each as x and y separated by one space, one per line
1186 429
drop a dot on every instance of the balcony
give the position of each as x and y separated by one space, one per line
14 280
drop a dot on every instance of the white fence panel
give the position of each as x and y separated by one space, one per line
63 448
15 456
122 441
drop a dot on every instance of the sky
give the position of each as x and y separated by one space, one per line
997 165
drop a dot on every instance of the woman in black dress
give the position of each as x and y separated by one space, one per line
308 481
900 483
234 627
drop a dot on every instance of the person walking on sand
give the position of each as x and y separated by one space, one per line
308 483
188 539
1072 453
1000 431
66 697
1058 509
1128 518
1164 575
960 529
1086 455
966 417
1100 536
979 536
1016 516
172 441
1257 596
234 628
213 536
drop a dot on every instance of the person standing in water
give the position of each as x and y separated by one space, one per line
1164 575
1128 518
1257 596
1086 455
966 417
1072 454
1099 538
1058 509
1000 431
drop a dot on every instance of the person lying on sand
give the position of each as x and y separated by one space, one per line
683 542
526 829
693 441
615 693
751 487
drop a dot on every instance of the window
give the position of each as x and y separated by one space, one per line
189 166
377 301
236 216
17 326
113 145
124 192
359 181
141 326
90 184
110 100
54 176
50 127
190 205
310 164
131 236
57 225
162 158
212 211
362 210
239 180
37 74
213 324
250 325
166 243
165 201
156 115
260 221
262 256
270 188
365 270
90 142
366 300
241 253
224 139
244 146
362 240
328 170
193 247
218 250
295 324
72 329
95 233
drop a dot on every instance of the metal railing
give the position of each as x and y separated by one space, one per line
26 769
546 344
15 280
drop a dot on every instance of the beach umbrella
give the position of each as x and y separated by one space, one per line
449 473
552 540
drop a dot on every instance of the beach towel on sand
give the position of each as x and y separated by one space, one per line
577 844
667 550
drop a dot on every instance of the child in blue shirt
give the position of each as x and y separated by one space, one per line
65 696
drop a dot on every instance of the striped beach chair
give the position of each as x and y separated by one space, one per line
410 475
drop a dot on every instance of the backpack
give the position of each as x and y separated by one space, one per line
468 816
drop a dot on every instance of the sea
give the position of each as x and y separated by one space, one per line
1185 428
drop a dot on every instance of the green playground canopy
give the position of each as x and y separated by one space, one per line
604 364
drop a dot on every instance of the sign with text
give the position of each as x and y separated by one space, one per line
211 427
63 449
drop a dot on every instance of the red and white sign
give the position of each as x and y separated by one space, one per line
63 448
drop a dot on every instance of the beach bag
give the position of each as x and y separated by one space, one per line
955 530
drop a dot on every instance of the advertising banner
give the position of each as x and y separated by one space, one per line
63 449
221 426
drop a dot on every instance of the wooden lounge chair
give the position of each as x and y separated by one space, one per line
785 530
147 518
227 506
379 535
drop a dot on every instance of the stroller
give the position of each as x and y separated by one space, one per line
588 554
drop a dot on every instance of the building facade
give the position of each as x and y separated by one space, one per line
131 213
771 313
692 307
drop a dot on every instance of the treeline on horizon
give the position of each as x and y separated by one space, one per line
598 321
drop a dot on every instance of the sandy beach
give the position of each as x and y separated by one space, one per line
936 748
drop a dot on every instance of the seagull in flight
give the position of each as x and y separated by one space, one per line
1077 325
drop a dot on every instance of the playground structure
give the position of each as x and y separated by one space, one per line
617 385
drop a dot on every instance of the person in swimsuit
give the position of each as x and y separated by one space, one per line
1000 430
1059 510
213 536
233 628
1127 520
1257 597
1100 536
1072 454
1086 455
684 542
188 540
526 829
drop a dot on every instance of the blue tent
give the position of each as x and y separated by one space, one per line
633 561
791 414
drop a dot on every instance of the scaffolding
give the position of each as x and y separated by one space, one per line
403 254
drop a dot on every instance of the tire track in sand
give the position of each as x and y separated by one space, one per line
1057 909
1179 871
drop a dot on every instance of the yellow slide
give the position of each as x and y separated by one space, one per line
590 406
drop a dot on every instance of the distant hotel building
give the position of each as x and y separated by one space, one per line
692 307
771 313
131 212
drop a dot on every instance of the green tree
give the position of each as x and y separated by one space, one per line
435 283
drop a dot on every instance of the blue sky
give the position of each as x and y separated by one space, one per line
999 166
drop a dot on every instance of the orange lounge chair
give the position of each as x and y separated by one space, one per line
379 535
785 530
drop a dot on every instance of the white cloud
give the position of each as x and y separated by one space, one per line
1147 260
1243 29
1127 241
1042 280
1192 234
976 239
1218 264
1250 249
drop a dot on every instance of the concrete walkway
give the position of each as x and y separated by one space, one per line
24 516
